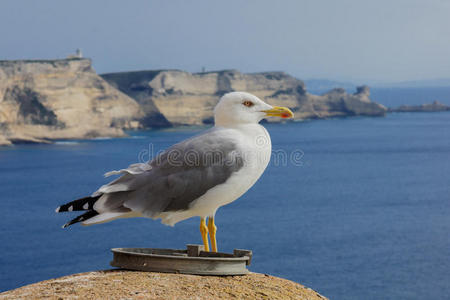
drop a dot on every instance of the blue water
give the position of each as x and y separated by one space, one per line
364 215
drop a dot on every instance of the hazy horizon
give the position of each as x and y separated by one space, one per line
349 41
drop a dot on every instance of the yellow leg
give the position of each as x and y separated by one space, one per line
204 232
212 233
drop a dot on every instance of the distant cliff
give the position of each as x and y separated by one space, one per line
189 98
42 100
427 107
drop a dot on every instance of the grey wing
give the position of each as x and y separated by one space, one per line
175 178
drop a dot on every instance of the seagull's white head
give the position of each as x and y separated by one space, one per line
244 108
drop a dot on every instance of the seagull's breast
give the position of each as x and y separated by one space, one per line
254 146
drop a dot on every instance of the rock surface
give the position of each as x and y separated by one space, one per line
189 98
58 99
120 284
427 107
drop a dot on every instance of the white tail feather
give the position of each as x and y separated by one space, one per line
110 216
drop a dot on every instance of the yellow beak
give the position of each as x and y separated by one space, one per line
278 111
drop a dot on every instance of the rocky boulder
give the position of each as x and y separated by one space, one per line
121 284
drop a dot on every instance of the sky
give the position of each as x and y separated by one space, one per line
346 40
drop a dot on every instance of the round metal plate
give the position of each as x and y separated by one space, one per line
193 260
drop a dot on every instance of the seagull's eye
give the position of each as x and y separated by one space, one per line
248 103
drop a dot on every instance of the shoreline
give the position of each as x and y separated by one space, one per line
128 134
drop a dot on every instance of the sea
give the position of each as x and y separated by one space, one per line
357 208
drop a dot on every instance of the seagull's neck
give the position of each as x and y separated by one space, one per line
240 126
250 130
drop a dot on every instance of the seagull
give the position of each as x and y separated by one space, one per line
194 177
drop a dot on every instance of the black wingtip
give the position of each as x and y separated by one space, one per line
83 204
